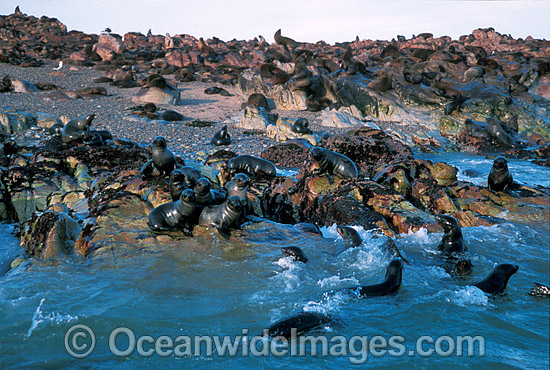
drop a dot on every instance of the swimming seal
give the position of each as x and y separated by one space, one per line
350 235
163 162
391 283
300 126
75 129
390 246
205 195
177 184
252 166
500 179
223 216
298 324
308 228
170 215
221 137
295 253
334 163
497 280
452 238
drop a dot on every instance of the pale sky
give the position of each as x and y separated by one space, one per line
303 20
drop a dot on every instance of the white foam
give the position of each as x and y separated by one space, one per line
469 295
40 317
336 282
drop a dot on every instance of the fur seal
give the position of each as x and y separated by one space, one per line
163 160
308 228
334 163
295 253
391 283
75 129
476 130
252 166
497 280
284 41
500 179
173 214
540 290
382 82
258 100
498 134
221 137
300 126
222 216
452 238
177 184
205 195
350 235
301 323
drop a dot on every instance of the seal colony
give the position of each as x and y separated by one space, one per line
200 199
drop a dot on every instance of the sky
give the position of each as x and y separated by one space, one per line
303 20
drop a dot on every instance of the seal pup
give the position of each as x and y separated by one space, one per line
452 238
497 280
391 283
334 163
75 129
300 126
191 175
500 179
252 166
221 137
164 161
296 253
223 216
540 290
173 214
298 324
177 184
205 195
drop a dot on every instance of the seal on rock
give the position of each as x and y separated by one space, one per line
173 214
298 324
295 253
452 238
300 126
334 163
252 166
500 178
177 184
497 280
391 283
498 134
476 130
205 195
222 216
282 40
221 137
75 129
164 161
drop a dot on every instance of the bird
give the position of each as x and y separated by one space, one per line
59 66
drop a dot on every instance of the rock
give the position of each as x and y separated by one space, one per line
254 118
108 46
282 131
47 120
15 121
344 117
157 96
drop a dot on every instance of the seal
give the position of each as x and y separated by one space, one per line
205 195
164 161
75 129
391 283
177 184
497 280
221 137
191 175
350 235
308 227
284 41
498 134
222 216
239 186
252 166
300 126
334 163
295 253
500 179
452 238
390 246
258 100
540 290
298 324
170 215
476 130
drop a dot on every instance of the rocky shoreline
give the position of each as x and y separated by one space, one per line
371 101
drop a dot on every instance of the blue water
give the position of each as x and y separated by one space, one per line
223 289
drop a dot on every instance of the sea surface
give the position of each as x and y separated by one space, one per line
148 310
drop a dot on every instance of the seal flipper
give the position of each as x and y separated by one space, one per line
224 232
147 169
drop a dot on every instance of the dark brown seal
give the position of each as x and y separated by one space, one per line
500 178
334 163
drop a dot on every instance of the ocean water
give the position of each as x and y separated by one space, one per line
147 310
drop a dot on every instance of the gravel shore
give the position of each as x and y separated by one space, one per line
112 111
